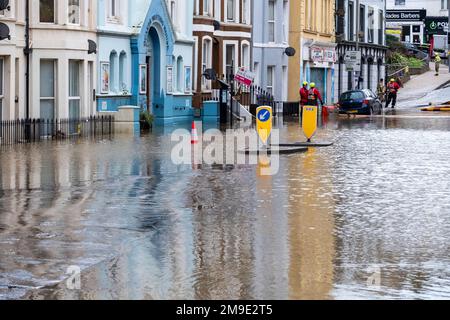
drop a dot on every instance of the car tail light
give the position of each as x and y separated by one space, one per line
366 102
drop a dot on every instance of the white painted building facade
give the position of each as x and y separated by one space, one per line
12 63
270 40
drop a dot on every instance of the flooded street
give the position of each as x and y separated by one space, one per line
375 205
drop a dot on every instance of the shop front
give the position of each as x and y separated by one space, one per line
318 67
410 22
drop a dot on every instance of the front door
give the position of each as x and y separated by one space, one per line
149 85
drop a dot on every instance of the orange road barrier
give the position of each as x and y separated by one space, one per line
194 134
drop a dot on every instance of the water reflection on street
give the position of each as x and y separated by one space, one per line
141 227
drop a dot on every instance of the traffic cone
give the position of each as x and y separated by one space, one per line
194 134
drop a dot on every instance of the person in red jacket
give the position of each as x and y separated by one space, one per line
314 96
392 89
304 92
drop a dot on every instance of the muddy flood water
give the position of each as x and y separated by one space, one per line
368 218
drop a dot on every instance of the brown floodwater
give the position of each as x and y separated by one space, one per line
373 206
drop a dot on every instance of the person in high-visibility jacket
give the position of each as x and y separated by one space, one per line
437 63
392 89
304 92
314 96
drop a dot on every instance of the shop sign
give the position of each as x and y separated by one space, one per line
405 15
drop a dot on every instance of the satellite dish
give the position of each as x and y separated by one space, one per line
210 74
92 47
216 25
4 32
4 4
290 52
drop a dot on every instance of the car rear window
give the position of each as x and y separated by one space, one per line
354 95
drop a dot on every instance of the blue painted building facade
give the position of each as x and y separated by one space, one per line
145 57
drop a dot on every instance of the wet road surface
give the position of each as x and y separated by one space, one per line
374 206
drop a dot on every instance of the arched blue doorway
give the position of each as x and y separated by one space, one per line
153 66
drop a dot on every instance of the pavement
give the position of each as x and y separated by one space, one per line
425 89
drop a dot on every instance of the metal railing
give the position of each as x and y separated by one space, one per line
36 130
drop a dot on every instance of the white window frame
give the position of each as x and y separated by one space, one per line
271 88
272 22
235 43
285 21
207 9
243 62
172 7
79 14
235 11
195 67
246 16
113 17
55 81
206 64
75 98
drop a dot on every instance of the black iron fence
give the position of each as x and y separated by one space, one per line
35 130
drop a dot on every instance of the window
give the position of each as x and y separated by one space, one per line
74 94
443 4
74 11
362 22
1 90
173 10
47 89
122 72
180 69
246 56
270 79
230 59
271 21
285 21
400 2
207 7
47 11
245 11
206 62
257 74
371 28
113 69
380 27
113 8
351 21
231 10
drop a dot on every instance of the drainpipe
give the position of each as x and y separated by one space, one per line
358 22
27 52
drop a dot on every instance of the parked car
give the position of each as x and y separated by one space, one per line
363 102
